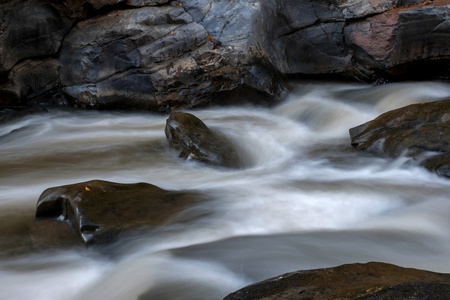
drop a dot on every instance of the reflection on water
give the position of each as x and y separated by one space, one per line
307 199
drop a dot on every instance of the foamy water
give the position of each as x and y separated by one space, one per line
305 200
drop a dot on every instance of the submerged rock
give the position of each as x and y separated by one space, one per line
374 280
98 211
196 141
416 130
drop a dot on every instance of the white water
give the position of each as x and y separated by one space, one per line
306 199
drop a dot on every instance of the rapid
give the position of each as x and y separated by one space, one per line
306 198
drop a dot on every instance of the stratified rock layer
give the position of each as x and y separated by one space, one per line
373 281
160 55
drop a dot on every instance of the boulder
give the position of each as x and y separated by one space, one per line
99 211
410 42
374 280
196 141
417 130
162 55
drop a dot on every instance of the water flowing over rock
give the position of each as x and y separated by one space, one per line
418 131
372 280
196 141
98 211
160 54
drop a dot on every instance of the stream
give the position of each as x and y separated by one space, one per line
306 199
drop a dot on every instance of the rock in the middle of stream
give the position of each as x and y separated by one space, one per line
98 211
196 141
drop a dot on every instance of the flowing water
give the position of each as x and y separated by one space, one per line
305 200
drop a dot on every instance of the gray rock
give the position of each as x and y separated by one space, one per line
195 52
99 211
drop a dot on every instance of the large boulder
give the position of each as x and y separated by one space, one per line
418 130
160 55
99 211
408 42
196 141
372 280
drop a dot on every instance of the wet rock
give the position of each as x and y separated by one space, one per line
196 141
374 280
415 130
100 211
21 113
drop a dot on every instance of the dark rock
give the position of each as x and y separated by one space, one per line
163 55
372 280
440 164
21 113
31 79
404 42
196 141
99 211
413 131
34 28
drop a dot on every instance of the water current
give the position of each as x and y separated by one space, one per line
305 200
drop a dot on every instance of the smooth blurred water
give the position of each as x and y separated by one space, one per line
305 200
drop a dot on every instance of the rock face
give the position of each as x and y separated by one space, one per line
159 54
196 141
98 211
415 131
354 281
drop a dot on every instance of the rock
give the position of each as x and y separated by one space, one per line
414 130
409 42
32 79
99 211
30 29
196 141
21 113
162 55
439 164
374 280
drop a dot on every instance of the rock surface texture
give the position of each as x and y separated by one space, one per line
99 211
196 141
373 281
159 54
421 131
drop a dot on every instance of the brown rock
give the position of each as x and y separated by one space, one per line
412 131
196 141
372 280
98 211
